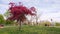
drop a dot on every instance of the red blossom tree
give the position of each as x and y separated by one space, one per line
20 11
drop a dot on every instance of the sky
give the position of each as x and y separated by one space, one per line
46 9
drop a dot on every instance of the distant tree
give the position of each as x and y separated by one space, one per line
2 20
19 12
6 14
38 17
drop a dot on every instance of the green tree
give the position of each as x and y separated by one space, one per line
6 14
2 20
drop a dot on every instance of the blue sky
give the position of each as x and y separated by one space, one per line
47 8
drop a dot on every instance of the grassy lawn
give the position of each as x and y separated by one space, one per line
29 30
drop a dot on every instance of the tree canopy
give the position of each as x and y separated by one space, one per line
19 12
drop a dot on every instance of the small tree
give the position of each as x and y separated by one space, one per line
19 12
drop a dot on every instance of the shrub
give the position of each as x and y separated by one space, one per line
57 24
45 23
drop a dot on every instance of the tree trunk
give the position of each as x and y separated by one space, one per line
36 19
20 25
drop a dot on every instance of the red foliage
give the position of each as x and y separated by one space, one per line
19 11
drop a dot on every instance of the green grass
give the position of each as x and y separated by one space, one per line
29 30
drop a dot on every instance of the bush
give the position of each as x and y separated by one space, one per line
57 24
8 22
45 23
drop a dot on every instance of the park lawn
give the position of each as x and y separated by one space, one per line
29 30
